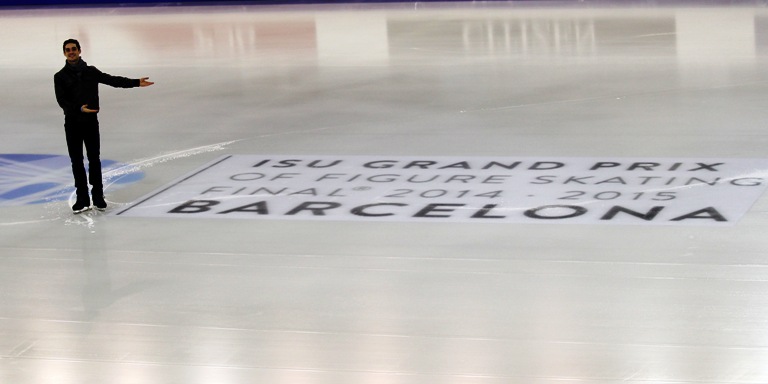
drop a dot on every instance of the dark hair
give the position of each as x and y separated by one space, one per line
71 41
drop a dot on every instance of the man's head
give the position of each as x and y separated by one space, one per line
71 50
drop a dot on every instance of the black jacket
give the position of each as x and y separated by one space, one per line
78 85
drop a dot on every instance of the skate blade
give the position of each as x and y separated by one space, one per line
81 210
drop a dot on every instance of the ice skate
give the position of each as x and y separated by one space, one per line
99 202
81 205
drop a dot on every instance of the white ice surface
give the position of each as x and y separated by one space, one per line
97 299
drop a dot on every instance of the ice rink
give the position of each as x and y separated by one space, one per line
213 265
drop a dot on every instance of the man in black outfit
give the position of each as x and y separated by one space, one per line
77 92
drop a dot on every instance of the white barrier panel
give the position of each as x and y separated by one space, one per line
464 189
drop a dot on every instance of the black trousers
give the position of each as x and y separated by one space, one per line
83 129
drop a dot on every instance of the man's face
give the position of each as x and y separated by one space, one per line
71 52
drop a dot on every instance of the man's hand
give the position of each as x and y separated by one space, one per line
143 82
85 109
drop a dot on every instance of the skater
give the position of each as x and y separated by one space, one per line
77 92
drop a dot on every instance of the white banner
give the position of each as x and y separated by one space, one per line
464 189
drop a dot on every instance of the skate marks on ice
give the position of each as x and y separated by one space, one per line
28 180
669 191
621 96
46 180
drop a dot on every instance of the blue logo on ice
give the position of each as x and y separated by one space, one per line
34 179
